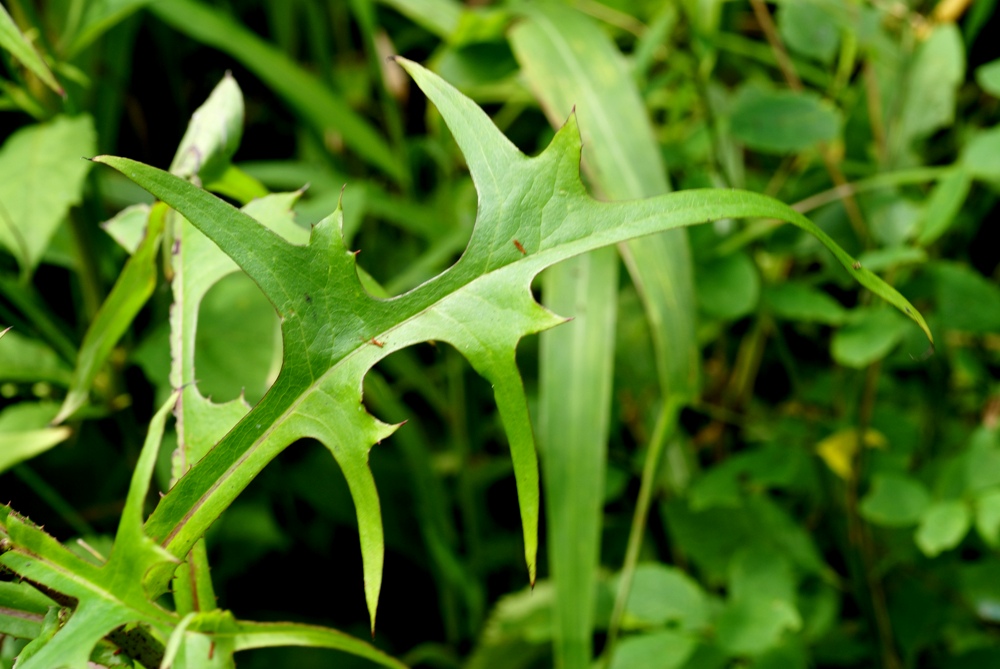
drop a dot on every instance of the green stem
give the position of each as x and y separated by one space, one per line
666 425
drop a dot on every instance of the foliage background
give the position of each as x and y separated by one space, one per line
772 538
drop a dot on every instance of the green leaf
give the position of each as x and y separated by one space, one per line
988 516
249 635
782 121
128 226
881 260
943 205
728 287
935 73
212 135
747 627
810 29
895 500
661 595
22 610
988 77
27 360
25 431
14 41
320 106
440 17
795 301
664 649
870 335
237 345
942 526
41 177
981 155
127 297
99 16
967 301
334 331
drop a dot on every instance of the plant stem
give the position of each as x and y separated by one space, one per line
666 425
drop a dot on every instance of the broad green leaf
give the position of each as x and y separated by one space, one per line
982 461
14 41
761 575
810 29
663 649
127 297
894 218
796 301
943 526
988 77
936 71
778 121
981 155
25 431
895 500
749 627
334 331
320 106
943 205
236 342
728 287
41 177
967 301
870 335
27 360
662 595
988 516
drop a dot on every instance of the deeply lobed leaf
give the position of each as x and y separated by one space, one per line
533 213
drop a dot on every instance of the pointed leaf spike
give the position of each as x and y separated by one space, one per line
130 526
487 151
260 252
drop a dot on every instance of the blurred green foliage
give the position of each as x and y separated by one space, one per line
822 491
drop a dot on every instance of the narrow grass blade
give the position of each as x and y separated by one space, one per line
128 296
13 40
440 17
574 416
571 63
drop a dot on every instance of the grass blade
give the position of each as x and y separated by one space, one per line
571 64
